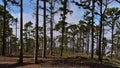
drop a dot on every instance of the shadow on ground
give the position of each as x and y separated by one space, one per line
13 65
70 62
79 62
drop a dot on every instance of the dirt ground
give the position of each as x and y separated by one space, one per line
52 62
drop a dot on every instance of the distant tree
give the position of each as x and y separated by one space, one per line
87 31
52 14
64 9
90 9
73 31
117 40
102 7
4 31
97 38
8 30
58 28
27 31
40 32
112 15
104 46
50 18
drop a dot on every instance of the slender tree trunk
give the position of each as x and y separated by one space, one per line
92 38
100 35
88 39
73 44
21 32
4 30
29 42
16 29
51 28
63 27
102 41
66 43
36 33
77 44
16 37
83 43
61 53
97 48
9 46
112 41
80 42
26 41
117 47
45 42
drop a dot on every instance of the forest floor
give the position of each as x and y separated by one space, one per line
57 62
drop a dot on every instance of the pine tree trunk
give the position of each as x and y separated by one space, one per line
44 40
21 32
88 39
100 34
36 33
97 48
102 54
112 42
92 38
26 41
51 28
63 26
4 30
73 44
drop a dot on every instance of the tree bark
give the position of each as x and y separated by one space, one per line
51 28
88 39
100 34
4 30
63 27
36 32
92 38
21 32
44 40
112 41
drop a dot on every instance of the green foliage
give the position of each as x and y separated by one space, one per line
111 15
13 2
73 29
59 25
9 20
83 3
